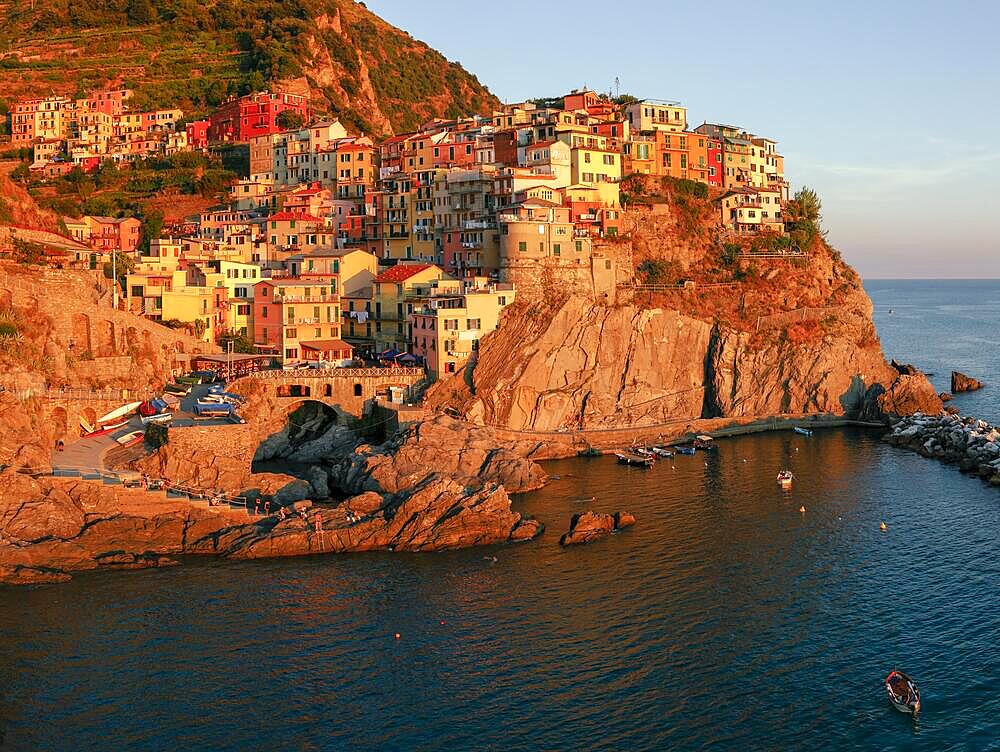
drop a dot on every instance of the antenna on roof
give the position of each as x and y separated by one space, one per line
617 87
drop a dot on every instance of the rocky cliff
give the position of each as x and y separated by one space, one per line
748 335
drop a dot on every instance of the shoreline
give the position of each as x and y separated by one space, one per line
114 527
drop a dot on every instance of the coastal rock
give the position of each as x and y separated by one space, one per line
441 446
439 514
584 367
296 490
962 383
945 396
623 520
587 527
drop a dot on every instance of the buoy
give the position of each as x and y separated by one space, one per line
802 509
706 464
442 621
397 635
883 527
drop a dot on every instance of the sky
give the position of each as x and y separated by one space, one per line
889 109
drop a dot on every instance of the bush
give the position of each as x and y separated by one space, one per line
661 272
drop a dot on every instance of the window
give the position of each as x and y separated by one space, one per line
522 247
555 250
579 246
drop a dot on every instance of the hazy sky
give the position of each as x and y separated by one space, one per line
890 109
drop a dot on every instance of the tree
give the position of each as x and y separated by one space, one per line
123 264
289 120
21 173
141 12
241 344
152 226
805 206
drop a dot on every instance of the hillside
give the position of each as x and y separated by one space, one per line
193 55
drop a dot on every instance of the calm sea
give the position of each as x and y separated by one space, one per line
726 619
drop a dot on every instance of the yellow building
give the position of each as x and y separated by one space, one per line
299 320
447 328
394 292
201 307
654 115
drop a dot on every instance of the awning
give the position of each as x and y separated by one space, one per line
327 345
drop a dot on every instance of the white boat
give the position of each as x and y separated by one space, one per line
785 477
162 418
803 431
132 437
662 452
118 413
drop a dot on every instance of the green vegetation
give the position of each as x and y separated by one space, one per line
661 272
123 265
195 54
804 218
27 253
119 191
241 344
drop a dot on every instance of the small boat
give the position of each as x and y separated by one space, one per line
688 450
636 460
116 415
705 443
644 452
589 452
180 390
662 452
803 431
131 438
102 431
785 477
161 418
903 693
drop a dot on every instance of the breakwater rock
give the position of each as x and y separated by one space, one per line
962 383
587 527
974 445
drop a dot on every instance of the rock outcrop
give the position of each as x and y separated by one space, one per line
974 445
441 447
50 528
962 383
597 367
587 527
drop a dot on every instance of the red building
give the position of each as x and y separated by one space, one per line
716 166
254 115
197 134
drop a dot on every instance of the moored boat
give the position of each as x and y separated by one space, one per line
803 431
662 452
785 478
131 438
161 418
636 460
688 450
903 692
704 442
116 415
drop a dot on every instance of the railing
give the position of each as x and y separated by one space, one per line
75 393
347 373
139 480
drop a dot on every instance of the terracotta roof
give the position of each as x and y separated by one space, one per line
401 272
541 144
286 215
